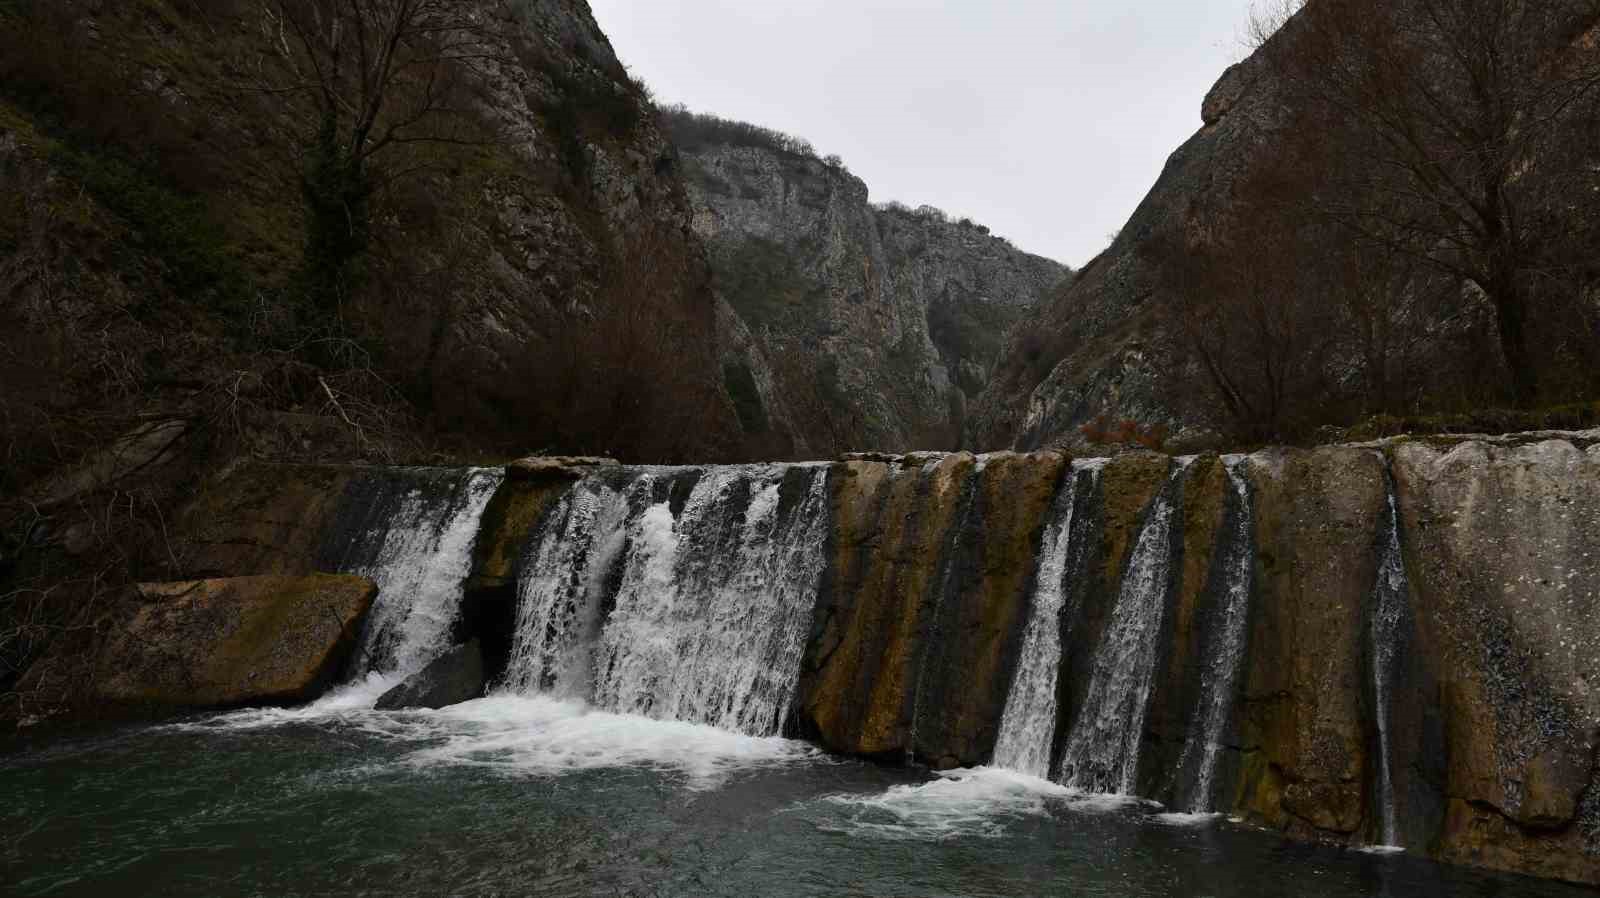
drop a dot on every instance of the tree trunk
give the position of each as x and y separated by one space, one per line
1511 316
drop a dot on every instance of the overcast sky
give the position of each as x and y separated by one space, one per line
1047 120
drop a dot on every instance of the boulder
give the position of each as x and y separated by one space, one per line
215 643
1228 90
456 676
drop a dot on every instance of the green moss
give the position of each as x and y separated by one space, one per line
762 283
506 522
174 227
1573 416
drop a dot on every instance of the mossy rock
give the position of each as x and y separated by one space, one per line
217 644
507 521
859 673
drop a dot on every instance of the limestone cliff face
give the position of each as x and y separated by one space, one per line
861 326
495 272
1110 342
1098 345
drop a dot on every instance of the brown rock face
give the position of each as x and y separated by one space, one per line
1192 611
507 520
221 643
918 629
890 525
1301 721
262 519
1503 546
988 573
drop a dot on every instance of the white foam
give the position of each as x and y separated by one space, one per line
1176 819
351 700
959 803
537 736
542 736
1381 849
962 803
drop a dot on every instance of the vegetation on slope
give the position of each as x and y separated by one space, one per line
295 234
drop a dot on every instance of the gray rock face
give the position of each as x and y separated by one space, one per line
456 676
853 326
498 266
1504 552
1097 346
540 252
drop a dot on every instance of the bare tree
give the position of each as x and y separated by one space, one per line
1451 114
381 75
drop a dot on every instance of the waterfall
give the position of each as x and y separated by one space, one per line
1225 658
1389 601
695 610
946 582
1028 725
1102 753
560 591
410 531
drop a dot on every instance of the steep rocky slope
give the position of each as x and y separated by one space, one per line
1098 345
860 326
154 184
156 313
1140 333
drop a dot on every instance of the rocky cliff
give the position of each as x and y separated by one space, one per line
158 261
1272 346
153 225
855 326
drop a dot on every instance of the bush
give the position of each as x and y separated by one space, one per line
1101 432
692 131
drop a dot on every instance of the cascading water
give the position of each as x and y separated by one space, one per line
411 532
1102 752
1028 725
709 607
1225 658
1389 602
560 592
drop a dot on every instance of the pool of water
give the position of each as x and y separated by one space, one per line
532 796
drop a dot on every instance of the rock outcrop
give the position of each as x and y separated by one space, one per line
456 676
1098 344
492 268
1302 715
211 644
1138 334
852 326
